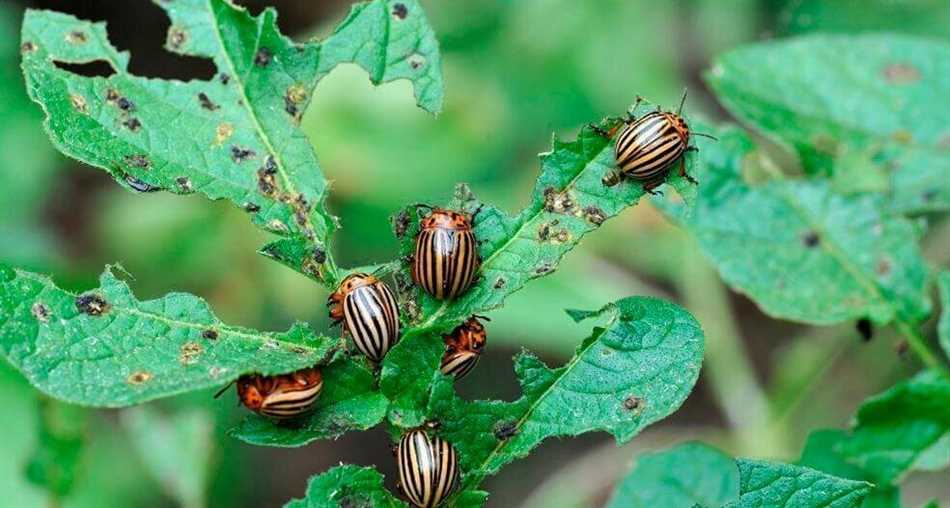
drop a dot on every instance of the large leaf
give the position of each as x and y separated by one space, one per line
801 250
893 431
569 201
177 449
345 486
692 474
821 453
634 370
943 327
851 105
56 461
349 401
235 137
106 348
787 486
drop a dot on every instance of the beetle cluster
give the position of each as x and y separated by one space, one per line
444 264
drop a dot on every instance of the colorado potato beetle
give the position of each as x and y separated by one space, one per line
446 256
649 146
428 468
283 396
463 347
366 308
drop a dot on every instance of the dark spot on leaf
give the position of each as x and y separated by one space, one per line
125 104
267 180
133 124
903 136
112 95
929 195
240 154
864 328
138 161
811 239
505 430
416 60
557 202
901 73
139 185
137 378
190 351
319 255
27 47
293 100
210 334
206 102
92 304
225 78
883 267
401 223
263 57
177 36
76 37
40 312
184 184
632 403
278 226
299 350
544 231
251 207
594 215
562 236
544 268
901 348
301 209
500 283
222 132
400 11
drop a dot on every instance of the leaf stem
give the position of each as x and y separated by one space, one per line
917 343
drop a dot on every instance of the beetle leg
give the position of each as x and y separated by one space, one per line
600 131
686 175
692 149
650 186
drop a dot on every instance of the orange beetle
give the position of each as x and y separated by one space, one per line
283 396
463 347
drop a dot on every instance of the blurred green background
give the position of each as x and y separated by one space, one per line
515 72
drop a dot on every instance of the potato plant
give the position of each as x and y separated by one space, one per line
832 236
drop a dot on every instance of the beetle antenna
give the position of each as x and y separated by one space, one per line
483 318
223 389
679 112
710 136
422 205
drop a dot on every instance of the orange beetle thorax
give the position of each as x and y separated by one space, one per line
470 336
441 218
679 124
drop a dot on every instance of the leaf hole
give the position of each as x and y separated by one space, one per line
93 69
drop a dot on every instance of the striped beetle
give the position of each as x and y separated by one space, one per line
463 347
366 308
281 397
650 145
428 468
446 256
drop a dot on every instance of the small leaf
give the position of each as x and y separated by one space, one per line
60 443
775 484
943 327
692 474
345 486
634 371
235 137
175 448
106 348
821 453
569 201
877 97
350 402
799 249
894 429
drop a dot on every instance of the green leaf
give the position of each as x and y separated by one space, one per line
106 348
875 100
349 401
634 370
176 449
60 442
345 486
943 327
801 250
235 137
821 453
568 202
784 485
894 429
920 17
691 474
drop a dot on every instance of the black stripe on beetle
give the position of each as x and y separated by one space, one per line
446 256
428 468
366 308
